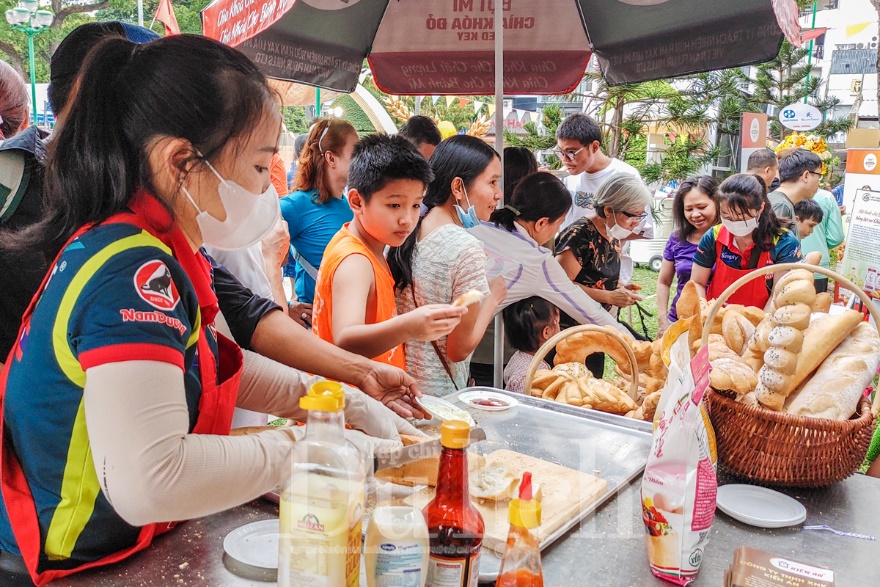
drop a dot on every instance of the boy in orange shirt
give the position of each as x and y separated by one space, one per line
354 304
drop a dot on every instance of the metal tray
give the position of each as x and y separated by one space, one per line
611 447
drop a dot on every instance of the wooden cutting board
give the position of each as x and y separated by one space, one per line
566 493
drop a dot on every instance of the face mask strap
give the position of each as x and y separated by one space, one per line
464 189
189 196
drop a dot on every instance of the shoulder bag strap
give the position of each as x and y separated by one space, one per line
412 291
307 267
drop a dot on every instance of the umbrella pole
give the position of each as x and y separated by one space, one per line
499 146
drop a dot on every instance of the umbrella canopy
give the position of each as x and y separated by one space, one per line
446 47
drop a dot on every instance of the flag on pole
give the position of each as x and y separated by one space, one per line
854 29
165 15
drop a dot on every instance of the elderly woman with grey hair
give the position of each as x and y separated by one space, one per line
589 249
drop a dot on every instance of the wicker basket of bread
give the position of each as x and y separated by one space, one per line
787 397
634 394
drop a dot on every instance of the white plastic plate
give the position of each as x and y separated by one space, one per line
759 506
255 544
483 400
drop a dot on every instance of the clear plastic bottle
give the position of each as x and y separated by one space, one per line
322 499
521 564
455 526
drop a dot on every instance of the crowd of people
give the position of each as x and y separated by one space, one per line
145 242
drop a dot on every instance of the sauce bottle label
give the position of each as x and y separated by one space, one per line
453 572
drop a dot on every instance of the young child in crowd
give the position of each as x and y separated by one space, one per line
528 323
808 214
354 297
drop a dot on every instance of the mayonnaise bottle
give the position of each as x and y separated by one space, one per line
322 499
396 551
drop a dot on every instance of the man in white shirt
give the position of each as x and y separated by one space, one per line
579 147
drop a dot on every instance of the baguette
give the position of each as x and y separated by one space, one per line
822 337
834 391
423 471
737 330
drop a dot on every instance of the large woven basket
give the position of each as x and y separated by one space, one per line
780 449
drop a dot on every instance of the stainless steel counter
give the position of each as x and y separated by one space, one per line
606 549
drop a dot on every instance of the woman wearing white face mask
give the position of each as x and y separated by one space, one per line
750 237
589 249
130 428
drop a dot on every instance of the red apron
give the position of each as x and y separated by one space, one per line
754 293
219 393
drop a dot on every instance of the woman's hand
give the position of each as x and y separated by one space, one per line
498 290
662 325
276 245
393 387
623 298
428 323
301 313
370 416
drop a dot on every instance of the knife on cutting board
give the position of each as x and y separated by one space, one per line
389 459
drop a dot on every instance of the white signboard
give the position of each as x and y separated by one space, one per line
800 116
860 262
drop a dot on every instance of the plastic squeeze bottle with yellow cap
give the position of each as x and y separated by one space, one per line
521 564
322 499
455 527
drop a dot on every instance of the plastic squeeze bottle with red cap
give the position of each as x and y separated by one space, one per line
521 564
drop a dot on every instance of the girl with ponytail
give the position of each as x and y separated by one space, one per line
511 240
441 261
118 393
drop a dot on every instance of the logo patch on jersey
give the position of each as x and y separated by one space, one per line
132 315
730 258
154 285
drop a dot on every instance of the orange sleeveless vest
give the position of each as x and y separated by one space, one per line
382 308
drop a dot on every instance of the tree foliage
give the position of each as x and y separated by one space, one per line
787 79
540 136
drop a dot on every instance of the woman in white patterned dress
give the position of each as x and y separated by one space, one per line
440 260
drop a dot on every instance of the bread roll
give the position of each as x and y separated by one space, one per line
737 330
786 337
794 275
757 345
753 314
795 292
423 471
688 303
781 360
822 302
834 390
772 400
577 347
732 375
492 482
466 299
795 315
575 369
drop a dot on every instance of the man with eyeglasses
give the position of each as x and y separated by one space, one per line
799 174
579 147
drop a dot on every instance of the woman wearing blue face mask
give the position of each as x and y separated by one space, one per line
440 260
750 237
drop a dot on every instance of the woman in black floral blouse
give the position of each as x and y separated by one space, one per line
589 248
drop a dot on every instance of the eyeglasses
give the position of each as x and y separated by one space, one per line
567 155
819 173
639 216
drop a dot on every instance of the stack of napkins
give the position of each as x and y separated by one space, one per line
756 568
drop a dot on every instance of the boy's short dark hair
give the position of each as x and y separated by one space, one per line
379 159
808 210
524 320
793 165
419 130
581 128
761 159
